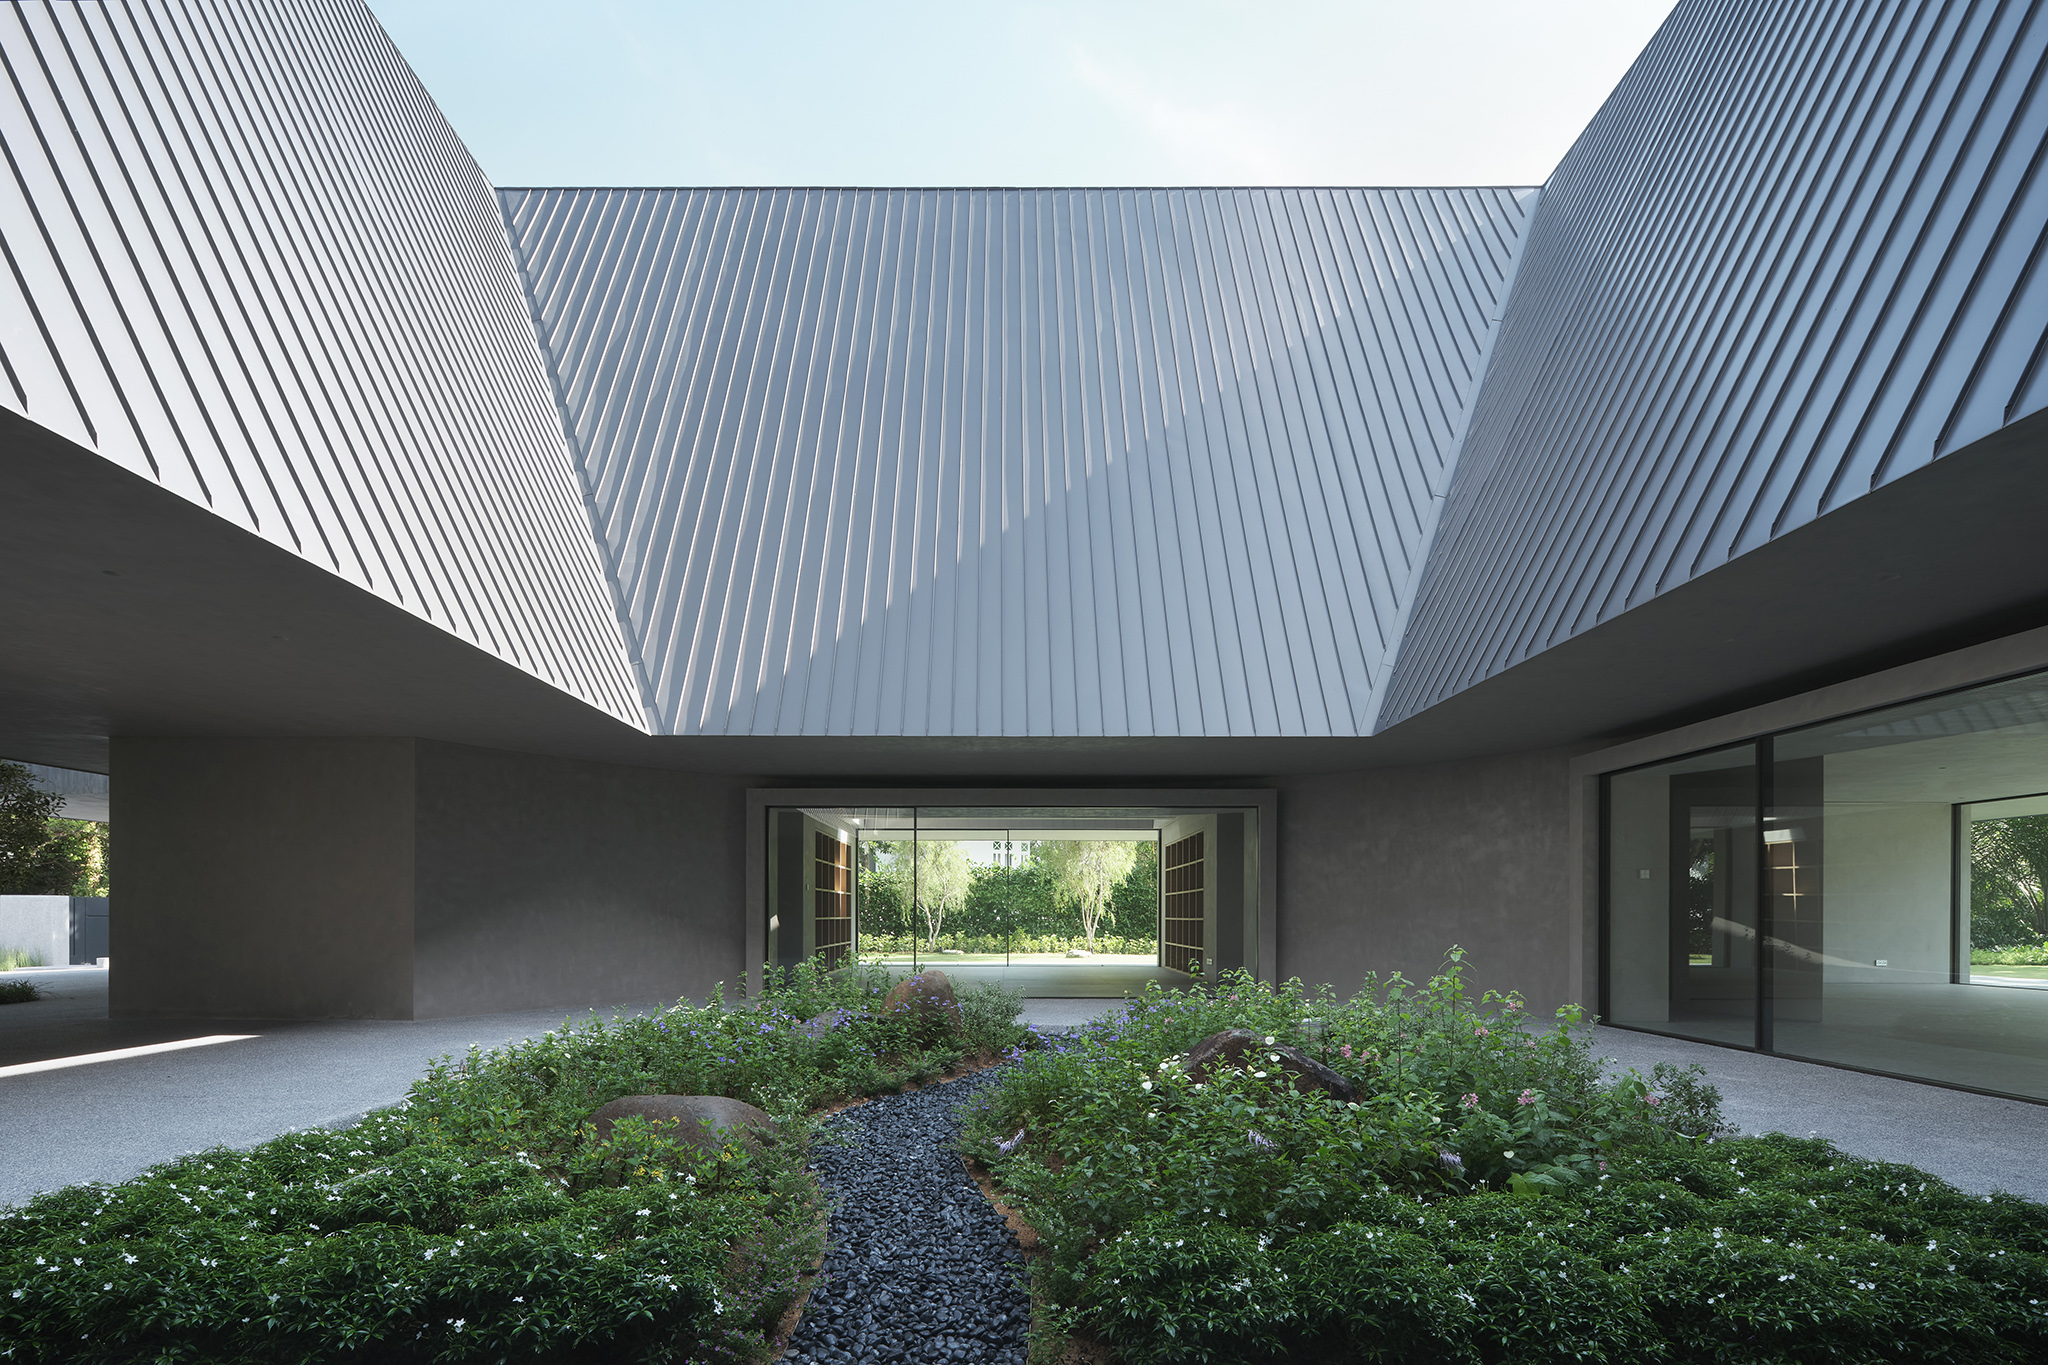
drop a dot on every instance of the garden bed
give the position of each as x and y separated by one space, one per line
1487 1197
481 1219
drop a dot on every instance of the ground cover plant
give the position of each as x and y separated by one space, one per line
19 992
1487 1198
482 1219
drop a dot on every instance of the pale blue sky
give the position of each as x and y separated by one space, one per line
1054 92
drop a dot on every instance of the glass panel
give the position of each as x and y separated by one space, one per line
1902 844
1066 900
1681 897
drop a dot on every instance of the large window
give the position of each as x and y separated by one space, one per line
1867 892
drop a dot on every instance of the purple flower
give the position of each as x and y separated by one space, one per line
1007 1147
1469 1101
1451 1162
1260 1140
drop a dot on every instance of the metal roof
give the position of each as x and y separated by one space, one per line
1796 257
247 259
1014 462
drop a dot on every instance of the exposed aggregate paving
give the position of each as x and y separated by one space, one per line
922 1268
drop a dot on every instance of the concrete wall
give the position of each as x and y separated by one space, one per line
1888 883
388 878
268 878
544 881
1384 870
39 925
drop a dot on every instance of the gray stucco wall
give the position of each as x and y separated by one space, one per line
545 881
1382 871
266 878
393 878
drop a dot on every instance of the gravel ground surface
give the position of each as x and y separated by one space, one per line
922 1269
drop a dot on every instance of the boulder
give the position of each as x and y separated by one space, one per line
688 1116
928 999
1238 1047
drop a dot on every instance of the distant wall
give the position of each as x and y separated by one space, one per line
394 878
37 924
263 878
1383 871
545 881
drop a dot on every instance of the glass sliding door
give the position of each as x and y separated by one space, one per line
1870 891
1682 897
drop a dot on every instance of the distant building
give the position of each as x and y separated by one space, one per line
1636 580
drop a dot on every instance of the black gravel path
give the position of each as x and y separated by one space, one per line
921 1269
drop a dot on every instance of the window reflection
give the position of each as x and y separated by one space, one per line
1887 872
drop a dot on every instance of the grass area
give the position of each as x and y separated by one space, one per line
1488 1198
16 959
482 1220
2018 973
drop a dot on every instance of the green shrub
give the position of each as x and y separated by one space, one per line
14 959
481 1219
2027 955
19 992
1489 1197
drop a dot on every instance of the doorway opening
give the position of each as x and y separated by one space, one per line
1060 901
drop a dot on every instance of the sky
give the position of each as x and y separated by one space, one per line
1069 92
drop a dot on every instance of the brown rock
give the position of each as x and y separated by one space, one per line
1242 1047
688 1116
928 999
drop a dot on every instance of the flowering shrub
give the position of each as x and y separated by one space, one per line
1487 1198
482 1220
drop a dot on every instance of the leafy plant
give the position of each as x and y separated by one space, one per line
482 1219
1488 1197
19 992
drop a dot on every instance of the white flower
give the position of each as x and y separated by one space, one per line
643 1213
1144 1085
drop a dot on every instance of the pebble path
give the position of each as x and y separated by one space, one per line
922 1268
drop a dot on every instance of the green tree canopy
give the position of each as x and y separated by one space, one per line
2008 874
931 876
41 854
1084 874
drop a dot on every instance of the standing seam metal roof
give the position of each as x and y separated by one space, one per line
1014 462
1794 258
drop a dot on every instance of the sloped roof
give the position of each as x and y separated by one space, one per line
997 462
1795 258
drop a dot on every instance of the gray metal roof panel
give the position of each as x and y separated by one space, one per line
1014 462
247 259
1795 257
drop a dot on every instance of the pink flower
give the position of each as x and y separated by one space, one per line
1480 1032
1653 1100
1526 1097
1469 1101
1603 1165
1345 1050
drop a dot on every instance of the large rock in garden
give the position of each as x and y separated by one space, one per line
928 999
687 1115
1238 1047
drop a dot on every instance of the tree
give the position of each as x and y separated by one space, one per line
33 860
2008 878
1084 874
932 876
